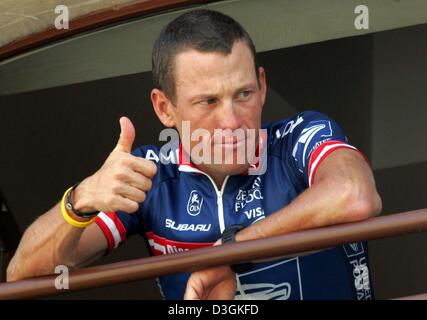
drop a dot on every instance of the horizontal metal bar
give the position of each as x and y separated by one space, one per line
290 244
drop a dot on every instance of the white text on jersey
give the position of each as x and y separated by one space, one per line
170 224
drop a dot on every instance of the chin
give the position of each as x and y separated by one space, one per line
227 169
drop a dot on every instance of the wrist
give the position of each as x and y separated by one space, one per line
79 199
229 236
71 206
70 215
73 216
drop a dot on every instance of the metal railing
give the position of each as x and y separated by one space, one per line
286 245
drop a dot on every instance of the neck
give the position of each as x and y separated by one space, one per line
218 178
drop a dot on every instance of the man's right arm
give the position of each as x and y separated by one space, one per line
119 185
51 241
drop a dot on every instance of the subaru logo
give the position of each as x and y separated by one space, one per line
195 202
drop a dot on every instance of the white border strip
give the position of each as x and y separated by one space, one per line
112 226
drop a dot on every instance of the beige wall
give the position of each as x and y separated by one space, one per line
399 150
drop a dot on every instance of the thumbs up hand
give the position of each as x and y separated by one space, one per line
121 183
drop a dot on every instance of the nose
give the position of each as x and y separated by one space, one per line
229 118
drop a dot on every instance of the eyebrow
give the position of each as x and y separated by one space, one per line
204 96
247 86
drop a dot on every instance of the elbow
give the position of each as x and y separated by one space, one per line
18 268
11 276
11 272
363 205
377 205
24 266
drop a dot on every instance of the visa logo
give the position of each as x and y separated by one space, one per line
254 213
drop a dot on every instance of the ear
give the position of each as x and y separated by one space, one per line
163 107
262 83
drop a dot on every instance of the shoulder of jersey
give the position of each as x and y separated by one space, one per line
282 129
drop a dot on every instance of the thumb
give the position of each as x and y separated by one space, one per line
127 135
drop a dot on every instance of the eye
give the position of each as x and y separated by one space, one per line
209 101
245 94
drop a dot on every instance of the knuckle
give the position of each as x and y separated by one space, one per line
148 184
153 168
150 168
147 167
119 175
142 197
144 184
133 206
116 187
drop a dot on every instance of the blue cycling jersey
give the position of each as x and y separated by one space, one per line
185 210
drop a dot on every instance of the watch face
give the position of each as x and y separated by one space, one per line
230 233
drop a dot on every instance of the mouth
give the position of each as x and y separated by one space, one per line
231 143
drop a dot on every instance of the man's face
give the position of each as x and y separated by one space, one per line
218 91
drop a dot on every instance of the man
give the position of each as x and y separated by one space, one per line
206 77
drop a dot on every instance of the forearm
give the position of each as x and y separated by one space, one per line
311 209
48 242
342 194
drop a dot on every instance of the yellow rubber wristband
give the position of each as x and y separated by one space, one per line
74 223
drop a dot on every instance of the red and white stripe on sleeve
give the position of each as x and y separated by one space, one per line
113 229
321 153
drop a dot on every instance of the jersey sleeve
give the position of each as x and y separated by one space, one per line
312 140
118 226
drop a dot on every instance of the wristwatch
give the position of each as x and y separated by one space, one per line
229 236
69 205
